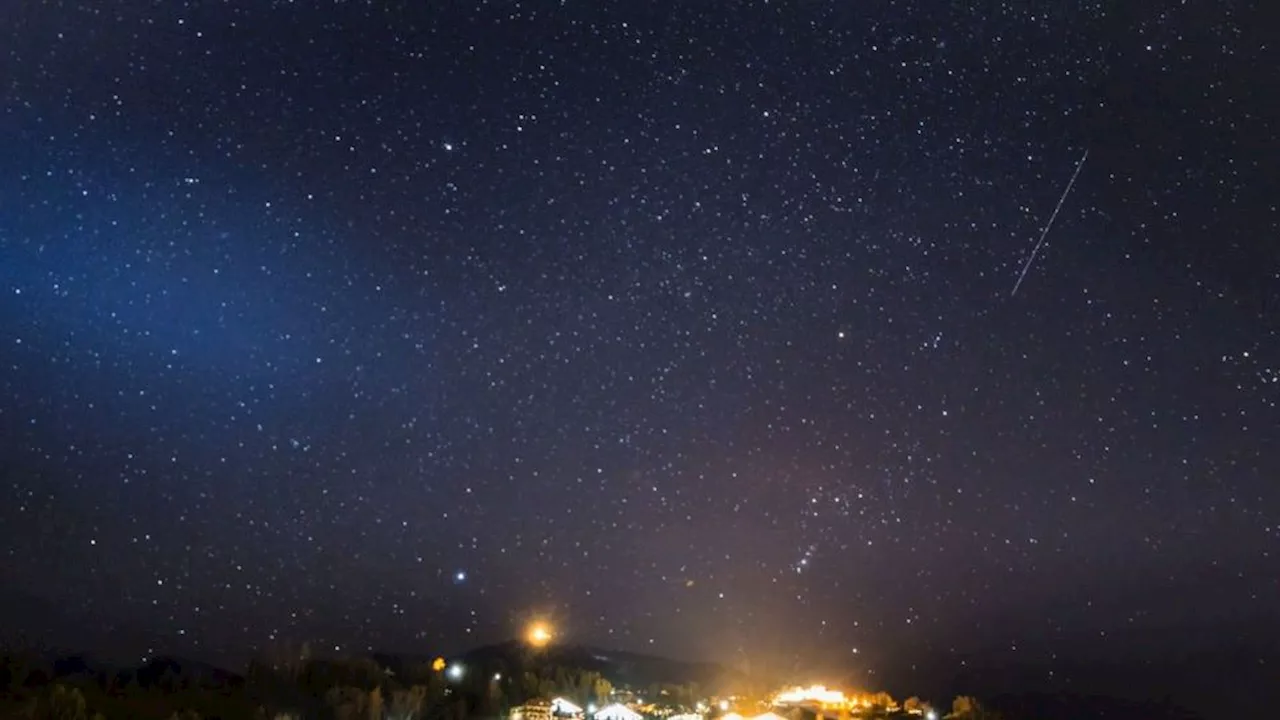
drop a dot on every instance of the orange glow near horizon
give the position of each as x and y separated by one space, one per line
829 699
539 634
811 694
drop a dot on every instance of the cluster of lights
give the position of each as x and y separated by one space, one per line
812 694
538 635
455 671
826 698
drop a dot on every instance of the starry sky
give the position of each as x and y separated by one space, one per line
689 326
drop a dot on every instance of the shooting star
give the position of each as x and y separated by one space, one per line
1045 233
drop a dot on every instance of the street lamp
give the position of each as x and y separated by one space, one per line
455 671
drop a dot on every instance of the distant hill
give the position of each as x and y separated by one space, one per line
162 673
168 671
636 670
1213 673
1071 706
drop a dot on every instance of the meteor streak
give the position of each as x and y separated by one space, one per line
1045 233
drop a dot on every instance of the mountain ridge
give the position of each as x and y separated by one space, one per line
624 667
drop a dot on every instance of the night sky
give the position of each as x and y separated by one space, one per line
688 326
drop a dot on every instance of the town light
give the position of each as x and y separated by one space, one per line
813 693
455 671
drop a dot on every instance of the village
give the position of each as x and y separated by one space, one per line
795 703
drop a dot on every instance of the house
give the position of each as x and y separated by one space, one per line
617 712
532 710
563 708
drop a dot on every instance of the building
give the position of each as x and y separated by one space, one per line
822 701
617 712
532 710
563 708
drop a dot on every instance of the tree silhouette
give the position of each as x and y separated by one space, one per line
964 706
